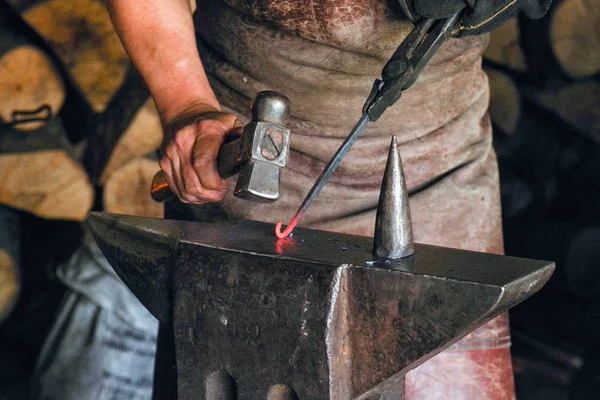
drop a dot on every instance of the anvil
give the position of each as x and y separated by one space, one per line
248 316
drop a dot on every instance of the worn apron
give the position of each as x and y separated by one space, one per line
324 55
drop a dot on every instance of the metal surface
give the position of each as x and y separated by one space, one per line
399 73
257 155
393 224
316 312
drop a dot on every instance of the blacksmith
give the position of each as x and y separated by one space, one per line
324 55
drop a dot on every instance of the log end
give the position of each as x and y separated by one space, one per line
83 37
505 100
10 285
127 190
49 184
30 87
574 37
142 137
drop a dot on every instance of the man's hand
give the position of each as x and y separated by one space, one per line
192 142
479 16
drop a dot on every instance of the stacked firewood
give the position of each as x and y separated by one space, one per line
78 129
545 107
551 62
545 102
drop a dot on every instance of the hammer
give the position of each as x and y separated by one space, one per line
257 155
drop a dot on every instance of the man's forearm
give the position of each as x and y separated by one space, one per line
159 37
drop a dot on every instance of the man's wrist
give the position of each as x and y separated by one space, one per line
194 107
191 113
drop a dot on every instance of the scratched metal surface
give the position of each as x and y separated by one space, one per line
129 234
314 314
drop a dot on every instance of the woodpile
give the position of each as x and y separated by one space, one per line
552 63
38 171
75 120
113 133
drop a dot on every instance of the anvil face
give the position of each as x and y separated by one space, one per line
315 312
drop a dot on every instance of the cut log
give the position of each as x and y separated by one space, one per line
9 283
574 37
30 88
127 190
104 130
46 183
81 34
577 104
505 100
142 137
10 251
504 48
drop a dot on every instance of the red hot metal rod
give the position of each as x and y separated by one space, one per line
322 180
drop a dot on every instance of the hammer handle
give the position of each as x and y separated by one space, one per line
229 162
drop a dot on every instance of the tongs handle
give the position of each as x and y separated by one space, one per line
407 62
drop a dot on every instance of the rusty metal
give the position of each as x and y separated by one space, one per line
257 155
393 224
315 316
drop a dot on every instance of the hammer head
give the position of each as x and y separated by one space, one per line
257 156
265 145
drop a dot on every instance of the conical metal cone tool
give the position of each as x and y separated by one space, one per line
393 224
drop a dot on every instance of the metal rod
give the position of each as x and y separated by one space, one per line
322 180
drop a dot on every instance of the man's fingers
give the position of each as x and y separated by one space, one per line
204 159
174 166
190 159
166 165
199 193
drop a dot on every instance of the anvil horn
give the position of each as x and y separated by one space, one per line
140 255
